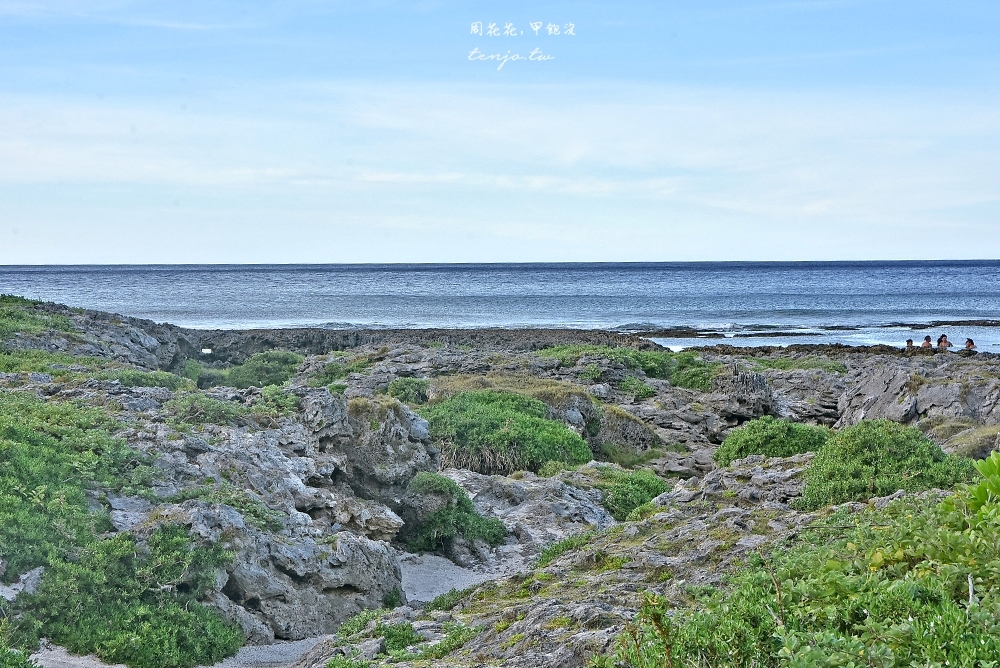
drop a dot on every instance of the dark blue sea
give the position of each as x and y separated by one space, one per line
742 303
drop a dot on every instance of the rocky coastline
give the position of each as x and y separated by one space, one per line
316 501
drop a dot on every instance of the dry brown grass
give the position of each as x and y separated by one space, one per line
552 392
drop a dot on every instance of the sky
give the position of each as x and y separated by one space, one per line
310 131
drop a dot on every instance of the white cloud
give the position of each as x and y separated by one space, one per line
678 166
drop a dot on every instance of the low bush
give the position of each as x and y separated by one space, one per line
19 315
772 438
133 606
358 622
547 390
624 491
914 584
272 367
559 548
196 408
448 600
409 390
50 453
683 369
457 516
60 365
110 596
491 431
338 369
876 458
253 510
398 636
636 388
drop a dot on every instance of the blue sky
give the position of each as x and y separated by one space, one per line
309 131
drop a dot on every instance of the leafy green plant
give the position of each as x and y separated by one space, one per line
457 516
448 600
338 370
409 390
132 606
347 662
636 388
772 438
19 315
986 492
624 491
683 369
591 372
492 431
914 584
271 367
60 365
559 548
876 458
50 453
398 636
358 622
196 408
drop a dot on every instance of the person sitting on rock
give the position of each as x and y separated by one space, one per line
944 343
909 344
927 342
970 344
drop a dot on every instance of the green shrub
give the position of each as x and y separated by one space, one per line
627 490
135 378
493 431
273 403
876 458
771 438
14 658
637 388
347 662
397 636
914 584
272 367
457 517
559 548
196 408
130 607
455 636
358 622
448 600
19 315
683 369
338 370
410 390
57 364
50 453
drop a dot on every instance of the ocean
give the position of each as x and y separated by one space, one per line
741 303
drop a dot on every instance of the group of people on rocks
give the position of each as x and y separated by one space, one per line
942 343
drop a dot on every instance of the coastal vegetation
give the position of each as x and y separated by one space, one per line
20 315
272 367
491 431
456 516
684 369
770 437
98 594
409 390
912 584
876 458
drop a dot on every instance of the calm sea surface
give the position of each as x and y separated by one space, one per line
788 302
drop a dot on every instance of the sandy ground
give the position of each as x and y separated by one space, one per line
424 577
277 655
